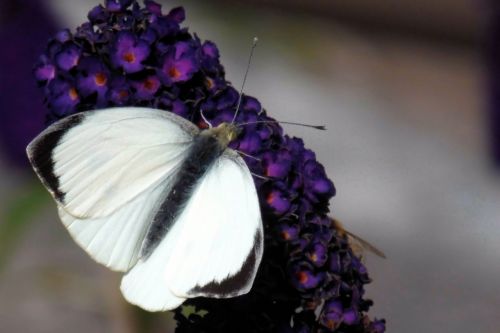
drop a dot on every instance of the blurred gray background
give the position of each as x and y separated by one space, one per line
401 87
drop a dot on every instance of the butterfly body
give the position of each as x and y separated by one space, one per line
207 147
145 192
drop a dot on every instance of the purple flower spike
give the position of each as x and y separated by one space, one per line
129 52
309 280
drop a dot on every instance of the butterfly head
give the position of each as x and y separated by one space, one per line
225 133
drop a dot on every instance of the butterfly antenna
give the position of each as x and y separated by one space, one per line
318 127
254 44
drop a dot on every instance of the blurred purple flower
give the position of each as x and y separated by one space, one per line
25 27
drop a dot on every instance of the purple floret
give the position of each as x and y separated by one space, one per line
129 52
63 97
145 89
93 78
68 57
179 64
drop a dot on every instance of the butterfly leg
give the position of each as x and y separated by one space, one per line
257 159
259 176
247 155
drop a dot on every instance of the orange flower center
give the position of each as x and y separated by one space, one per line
149 84
100 79
123 94
210 83
302 277
270 198
73 94
331 324
174 73
129 57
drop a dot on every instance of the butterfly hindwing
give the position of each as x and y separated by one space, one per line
115 240
214 247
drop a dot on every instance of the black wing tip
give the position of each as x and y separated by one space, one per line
39 152
239 283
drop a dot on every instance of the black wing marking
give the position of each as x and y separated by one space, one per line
203 153
40 152
242 280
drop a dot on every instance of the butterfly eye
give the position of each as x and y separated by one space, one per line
234 132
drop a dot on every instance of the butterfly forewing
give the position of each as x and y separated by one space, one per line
95 162
108 170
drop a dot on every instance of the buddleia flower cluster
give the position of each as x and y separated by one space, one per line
129 54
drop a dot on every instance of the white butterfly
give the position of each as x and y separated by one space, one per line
145 192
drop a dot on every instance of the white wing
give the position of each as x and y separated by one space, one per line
108 171
96 161
213 249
